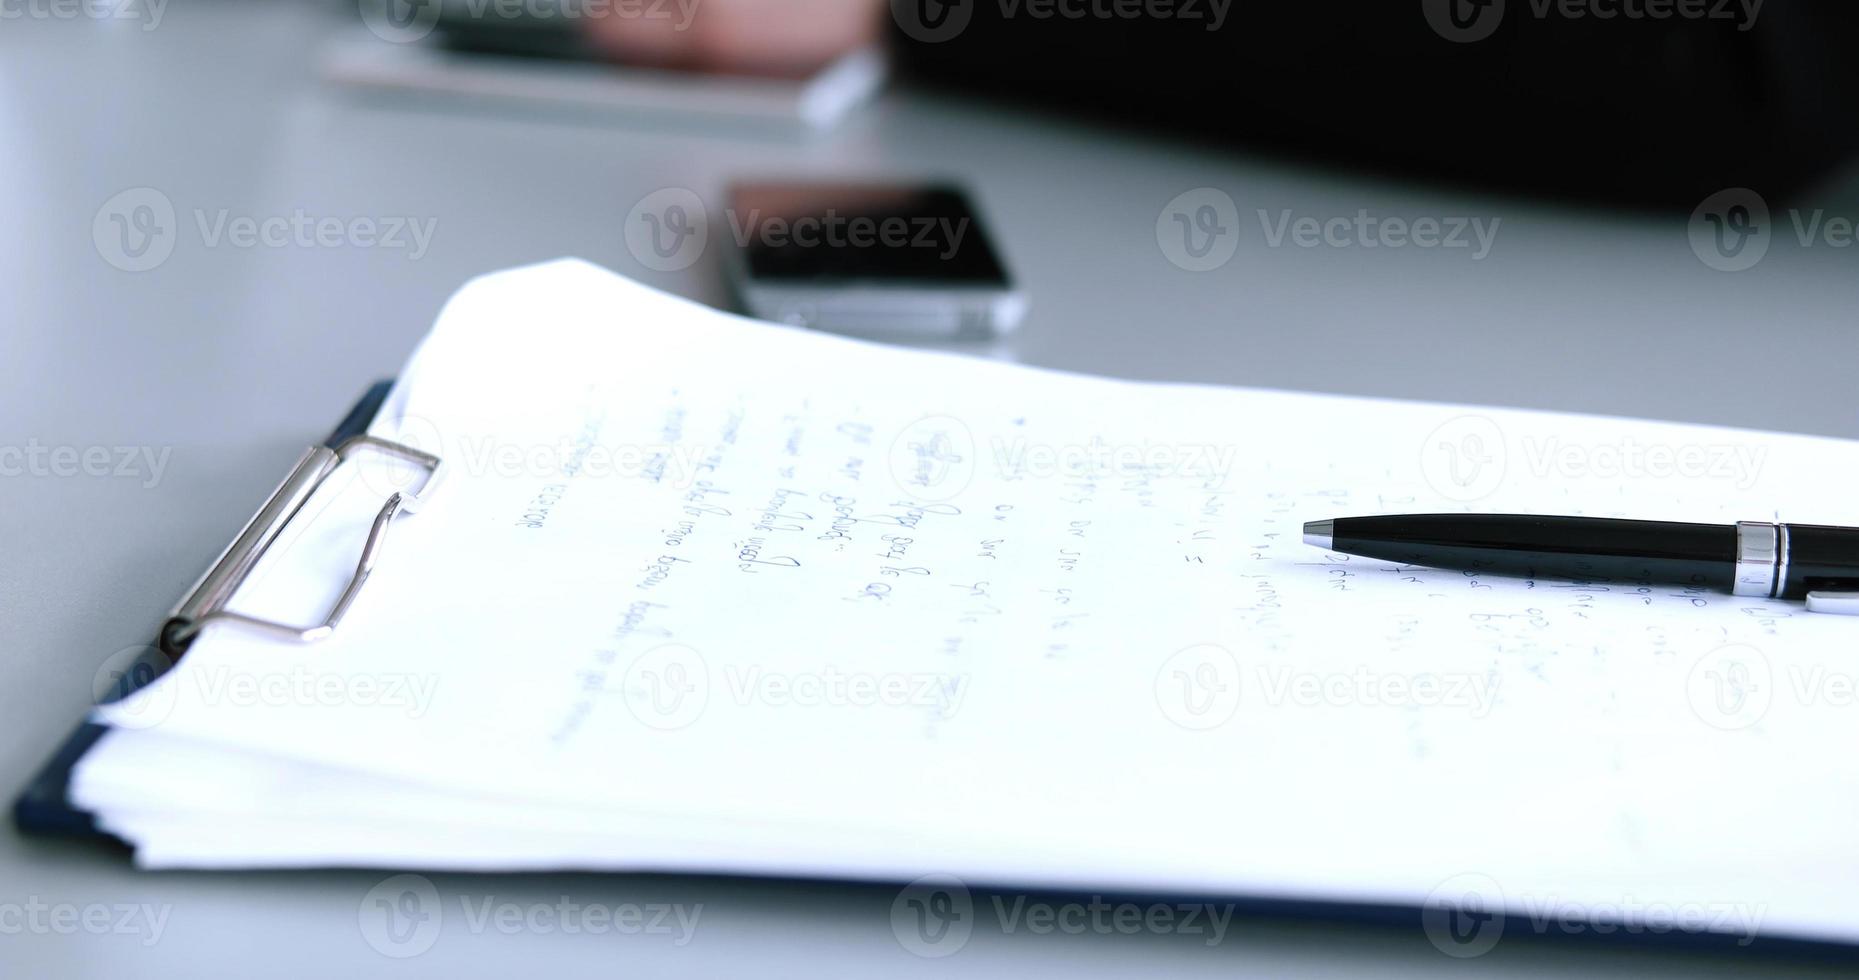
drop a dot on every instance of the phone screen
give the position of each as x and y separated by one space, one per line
862 233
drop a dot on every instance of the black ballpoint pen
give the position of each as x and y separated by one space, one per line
1751 558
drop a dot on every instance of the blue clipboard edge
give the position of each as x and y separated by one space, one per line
42 810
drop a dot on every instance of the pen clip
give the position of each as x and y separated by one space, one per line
1837 603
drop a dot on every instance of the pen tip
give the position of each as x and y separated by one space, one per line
1320 533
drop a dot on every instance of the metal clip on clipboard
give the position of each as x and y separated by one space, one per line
207 601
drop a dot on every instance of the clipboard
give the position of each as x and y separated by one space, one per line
42 808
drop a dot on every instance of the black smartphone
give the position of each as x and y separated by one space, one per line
872 259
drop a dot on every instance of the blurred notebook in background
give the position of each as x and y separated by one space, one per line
531 64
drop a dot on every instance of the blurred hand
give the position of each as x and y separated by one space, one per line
760 37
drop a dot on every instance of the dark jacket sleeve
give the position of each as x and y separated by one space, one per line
1542 95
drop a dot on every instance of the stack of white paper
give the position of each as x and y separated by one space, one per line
704 594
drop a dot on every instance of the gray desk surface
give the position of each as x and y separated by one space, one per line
230 359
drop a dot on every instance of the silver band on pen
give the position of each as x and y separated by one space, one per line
1761 559
1762 553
